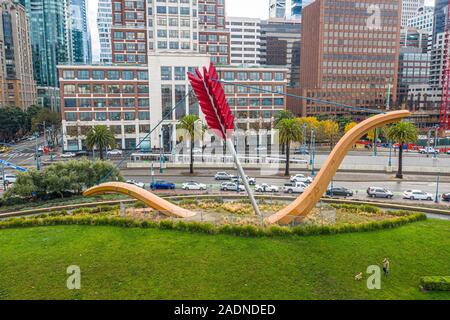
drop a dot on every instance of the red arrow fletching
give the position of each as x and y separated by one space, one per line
212 100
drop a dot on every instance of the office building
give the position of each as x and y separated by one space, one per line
347 61
245 40
409 10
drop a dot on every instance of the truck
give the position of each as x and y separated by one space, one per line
428 150
294 187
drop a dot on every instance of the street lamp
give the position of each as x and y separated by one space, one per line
390 154
436 137
436 199
312 151
304 139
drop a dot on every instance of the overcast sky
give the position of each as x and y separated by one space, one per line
248 8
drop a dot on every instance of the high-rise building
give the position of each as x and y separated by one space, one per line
50 45
79 37
347 60
409 10
414 38
214 38
129 32
423 19
17 84
440 17
245 40
280 46
100 21
287 9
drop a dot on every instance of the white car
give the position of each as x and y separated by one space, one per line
265 187
296 187
192 185
231 186
238 179
114 152
9 178
417 195
222 176
301 178
136 183
68 155
428 150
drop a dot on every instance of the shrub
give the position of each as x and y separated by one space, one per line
435 283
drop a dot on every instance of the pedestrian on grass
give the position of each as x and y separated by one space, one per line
386 266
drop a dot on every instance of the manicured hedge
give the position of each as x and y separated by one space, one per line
62 218
435 283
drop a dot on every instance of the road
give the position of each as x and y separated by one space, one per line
358 182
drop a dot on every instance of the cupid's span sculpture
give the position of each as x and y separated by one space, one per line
221 121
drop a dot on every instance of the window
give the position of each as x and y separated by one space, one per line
98 75
100 116
144 115
127 75
114 116
69 89
129 116
70 103
142 75
68 74
180 73
84 88
83 74
166 101
113 75
71 116
180 93
166 73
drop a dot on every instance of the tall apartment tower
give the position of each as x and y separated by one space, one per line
245 40
287 9
50 46
409 9
79 37
440 17
100 21
348 60
214 38
17 84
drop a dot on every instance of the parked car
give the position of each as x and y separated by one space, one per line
222 176
339 191
301 150
192 185
295 187
136 183
68 155
417 195
162 185
231 186
114 152
264 187
376 192
446 197
238 179
301 178
428 150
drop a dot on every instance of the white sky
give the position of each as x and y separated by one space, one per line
248 8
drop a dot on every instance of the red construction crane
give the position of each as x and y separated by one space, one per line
444 118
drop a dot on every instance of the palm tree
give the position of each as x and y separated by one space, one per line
188 123
281 115
402 132
101 137
289 131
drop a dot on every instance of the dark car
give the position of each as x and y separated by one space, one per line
162 185
81 153
339 191
446 197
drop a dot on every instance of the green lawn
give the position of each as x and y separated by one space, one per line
119 263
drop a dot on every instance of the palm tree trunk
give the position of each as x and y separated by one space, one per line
400 162
191 167
101 153
286 172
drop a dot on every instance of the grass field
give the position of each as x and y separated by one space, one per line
119 263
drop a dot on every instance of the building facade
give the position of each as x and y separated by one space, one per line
423 19
79 37
346 61
281 46
245 40
17 83
100 30
255 95
287 9
409 10
49 27
214 38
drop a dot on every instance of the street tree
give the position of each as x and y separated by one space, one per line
101 137
402 132
289 131
190 124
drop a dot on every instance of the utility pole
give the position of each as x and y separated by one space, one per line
38 167
436 199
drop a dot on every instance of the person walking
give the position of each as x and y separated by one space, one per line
386 265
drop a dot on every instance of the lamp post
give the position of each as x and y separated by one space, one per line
38 166
375 141
436 137
390 154
304 140
436 199
161 161
312 151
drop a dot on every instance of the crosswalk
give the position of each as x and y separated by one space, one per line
17 155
